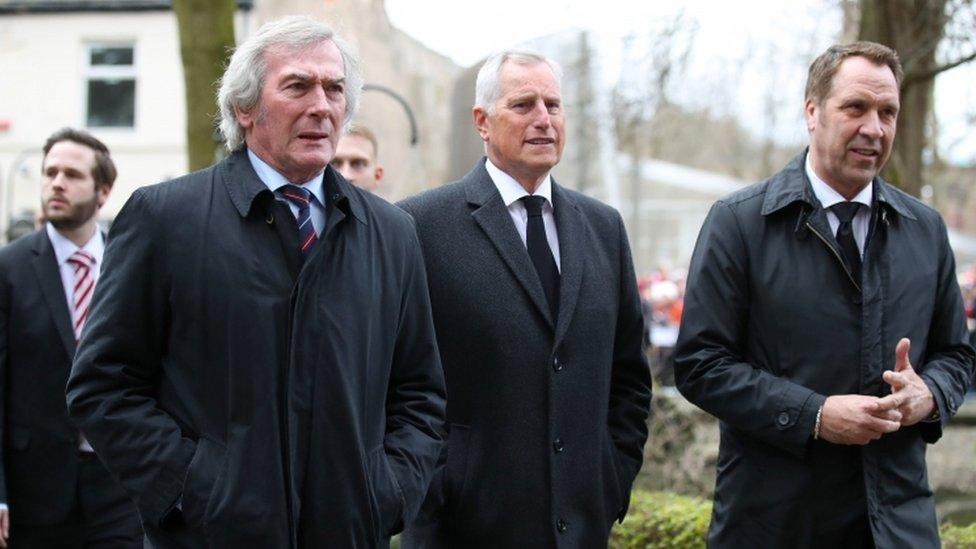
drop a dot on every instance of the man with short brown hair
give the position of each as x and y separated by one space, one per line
824 327
357 156
59 493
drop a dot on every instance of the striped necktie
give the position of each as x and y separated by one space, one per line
302 198
84 285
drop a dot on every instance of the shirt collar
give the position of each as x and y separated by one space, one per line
63 248
274 180
828 196
511 190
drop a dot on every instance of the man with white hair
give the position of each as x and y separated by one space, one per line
259 367
540 332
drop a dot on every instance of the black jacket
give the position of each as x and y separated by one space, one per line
547 419
773 324
39 472
205 318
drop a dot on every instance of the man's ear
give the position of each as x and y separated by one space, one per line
480 122
810 113
244 118
378 173
101 193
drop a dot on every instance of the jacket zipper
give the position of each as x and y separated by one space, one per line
837 255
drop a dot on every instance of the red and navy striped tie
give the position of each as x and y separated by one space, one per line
306 231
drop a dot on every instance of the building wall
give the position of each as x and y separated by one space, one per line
43 89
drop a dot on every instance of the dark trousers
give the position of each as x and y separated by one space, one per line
102 517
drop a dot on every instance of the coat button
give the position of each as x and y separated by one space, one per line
557 445
556 365
783 419
561 525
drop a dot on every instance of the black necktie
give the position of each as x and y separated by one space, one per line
539 252
845 212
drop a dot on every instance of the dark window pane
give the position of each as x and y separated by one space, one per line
111 103
111 56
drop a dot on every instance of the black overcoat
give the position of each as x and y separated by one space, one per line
547 420
774 323
201 318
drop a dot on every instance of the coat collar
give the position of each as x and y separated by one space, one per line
244 187
491 215
791 185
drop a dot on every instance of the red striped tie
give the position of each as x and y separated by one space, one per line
301 198
82 261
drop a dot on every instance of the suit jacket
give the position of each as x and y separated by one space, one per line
774 324
546 418
40 444
181 381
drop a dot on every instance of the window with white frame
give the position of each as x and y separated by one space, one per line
110 83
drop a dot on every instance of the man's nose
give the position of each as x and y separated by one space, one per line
320 105
871 127
542 118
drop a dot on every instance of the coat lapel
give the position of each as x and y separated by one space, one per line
49 277
493 218
572 238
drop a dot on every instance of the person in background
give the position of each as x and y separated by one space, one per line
55 492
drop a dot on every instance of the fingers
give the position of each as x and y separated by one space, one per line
4 527
901 354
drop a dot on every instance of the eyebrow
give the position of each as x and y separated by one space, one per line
306 77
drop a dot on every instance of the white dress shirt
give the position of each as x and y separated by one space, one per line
512 191
63 249
828 197
274 181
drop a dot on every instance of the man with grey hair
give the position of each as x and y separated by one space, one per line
540 332
823 326
259 368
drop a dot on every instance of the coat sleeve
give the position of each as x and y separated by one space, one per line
416 397
630 379
112 387
4 374
711 367
947 366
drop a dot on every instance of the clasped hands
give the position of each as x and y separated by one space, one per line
859 419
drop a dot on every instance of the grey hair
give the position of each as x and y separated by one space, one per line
486 88
240 86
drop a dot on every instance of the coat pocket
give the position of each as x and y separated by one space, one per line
456 471
201 477
385 494
612 490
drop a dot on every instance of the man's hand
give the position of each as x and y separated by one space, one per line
909 394
4 526
857 419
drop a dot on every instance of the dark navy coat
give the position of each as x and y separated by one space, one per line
547 418
245 399
774 323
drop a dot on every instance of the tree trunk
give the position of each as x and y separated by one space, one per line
914 29
206 39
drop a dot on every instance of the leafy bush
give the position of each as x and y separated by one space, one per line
958 537
658 520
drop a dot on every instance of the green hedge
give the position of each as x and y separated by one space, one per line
658 520
958 537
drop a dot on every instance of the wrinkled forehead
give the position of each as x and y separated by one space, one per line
858 75
518 77
307 55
